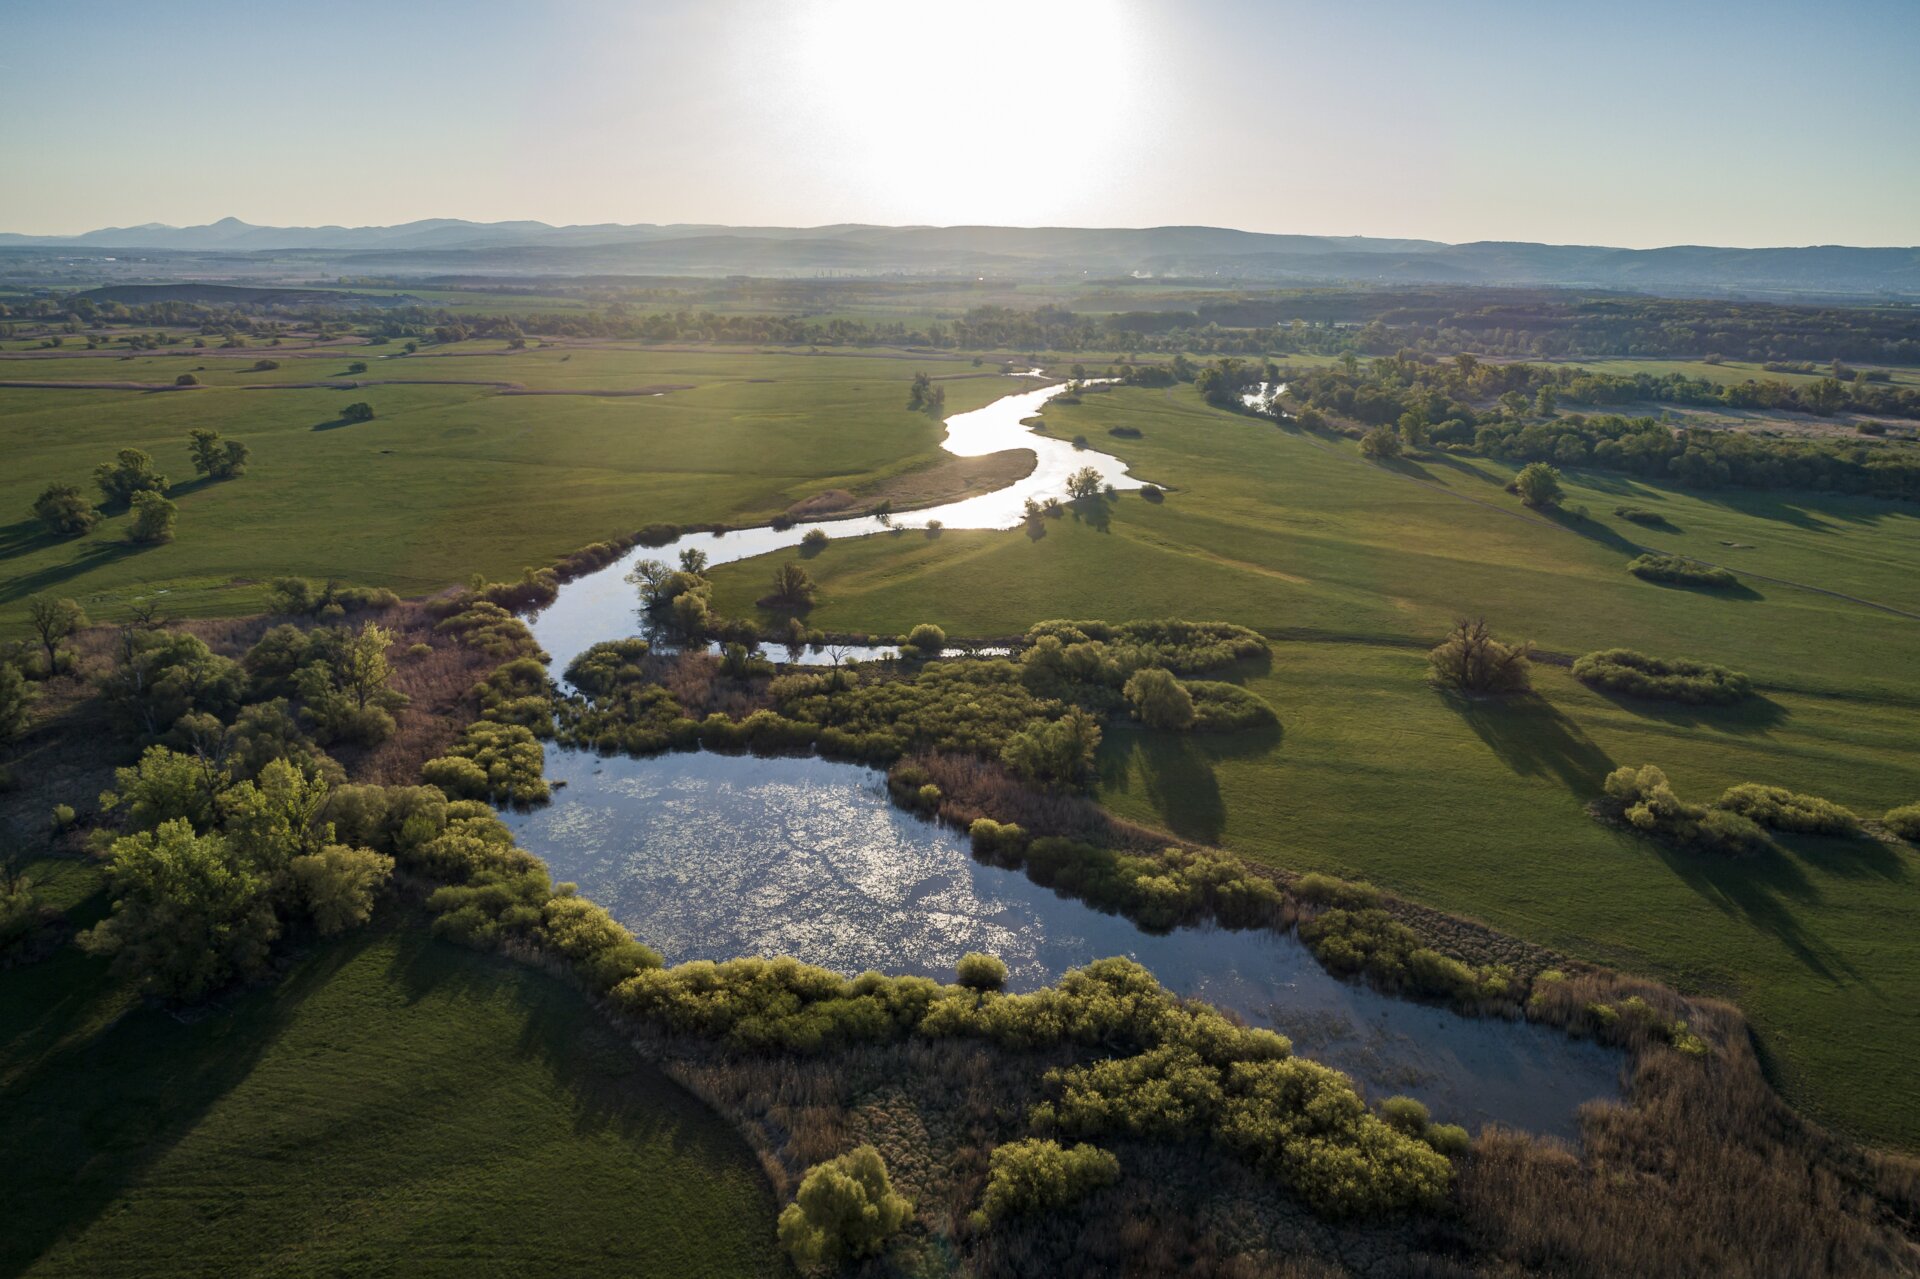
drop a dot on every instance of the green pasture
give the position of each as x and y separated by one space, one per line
447 479
1480 807
390 1105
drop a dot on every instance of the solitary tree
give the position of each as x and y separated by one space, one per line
845 1210
1538 485
1471 660
358 411
1083 483
153 517
65 510
792 586
53 621
215 458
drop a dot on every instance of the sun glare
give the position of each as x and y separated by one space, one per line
941 113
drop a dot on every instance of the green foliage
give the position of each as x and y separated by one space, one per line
1646 800
16 700
1777 808
214 458
1056 753
1183 647
1159 700
1329 890
1041 1175
494 761
130 472
814 541
927 639
595 945
161 676
1641 515
976 971
792 588
517 692
1538 485
300 597
337 885
489 628
1471 660
153 518
1003 842
358 411
1380 442
845 1210
1175 886
166 786
1904 821
65 510
1227 708
52 621
925 397
343 683
1680 571
188 916
608 667
1622 670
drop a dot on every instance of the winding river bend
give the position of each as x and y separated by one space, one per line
709 856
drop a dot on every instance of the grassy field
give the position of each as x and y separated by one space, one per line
447 479
392 1105
1727 371
1480 808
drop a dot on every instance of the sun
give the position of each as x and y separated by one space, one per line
993 111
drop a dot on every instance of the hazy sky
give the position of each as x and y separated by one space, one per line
1739 122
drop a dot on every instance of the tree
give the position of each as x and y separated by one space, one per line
65 510
1543 402
16 695
129 473
927 638
845 1210
1054 752
358 366
1083 483
976 971
186 379
343 682
358 411
153 518
160 676
1040 1175
693 560
53 621
188 916
1380 442
1471 660
214 458
337 885
1159 700
793 588
1824 396
924 396
1538 485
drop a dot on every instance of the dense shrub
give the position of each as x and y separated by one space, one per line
1471 660
1645 800
130 472
1056 753
1041 1175
337 885
517 692
1183 647
1328 890
1680 571
1371 943
489 628
845 1210
1538 485
599 949
1227 708
608 667
499 762
927 639
16 697
1904 821
358 411
301 597
1641 515
1622 670
153 519
1781 809
65 510
976 971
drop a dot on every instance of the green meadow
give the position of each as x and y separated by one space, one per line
448 479
389 1105
1480 807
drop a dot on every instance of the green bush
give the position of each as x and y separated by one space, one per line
1622 670
1316 887
337 885
927 639
1003 842
1641 515
1904 821
1644 799
499 762
845 1210
1405 1114
1781 809
595 944
1041 1175
1471 660
1159 700
1680 571
1227 708
976 971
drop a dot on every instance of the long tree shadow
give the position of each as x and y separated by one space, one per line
1737 591
1861 857
1761 890
1178 780
99 1108
1532 737
1588 527
95 556
1756 715
24 536
1095 512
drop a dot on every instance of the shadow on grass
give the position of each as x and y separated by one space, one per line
96 555
1592 529
1094 512
1761 890
25 536
1176 772
86 1119
1738 591
1753 715
1533 738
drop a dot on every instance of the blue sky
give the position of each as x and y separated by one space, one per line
1630 123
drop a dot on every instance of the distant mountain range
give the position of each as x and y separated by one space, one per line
1197 253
